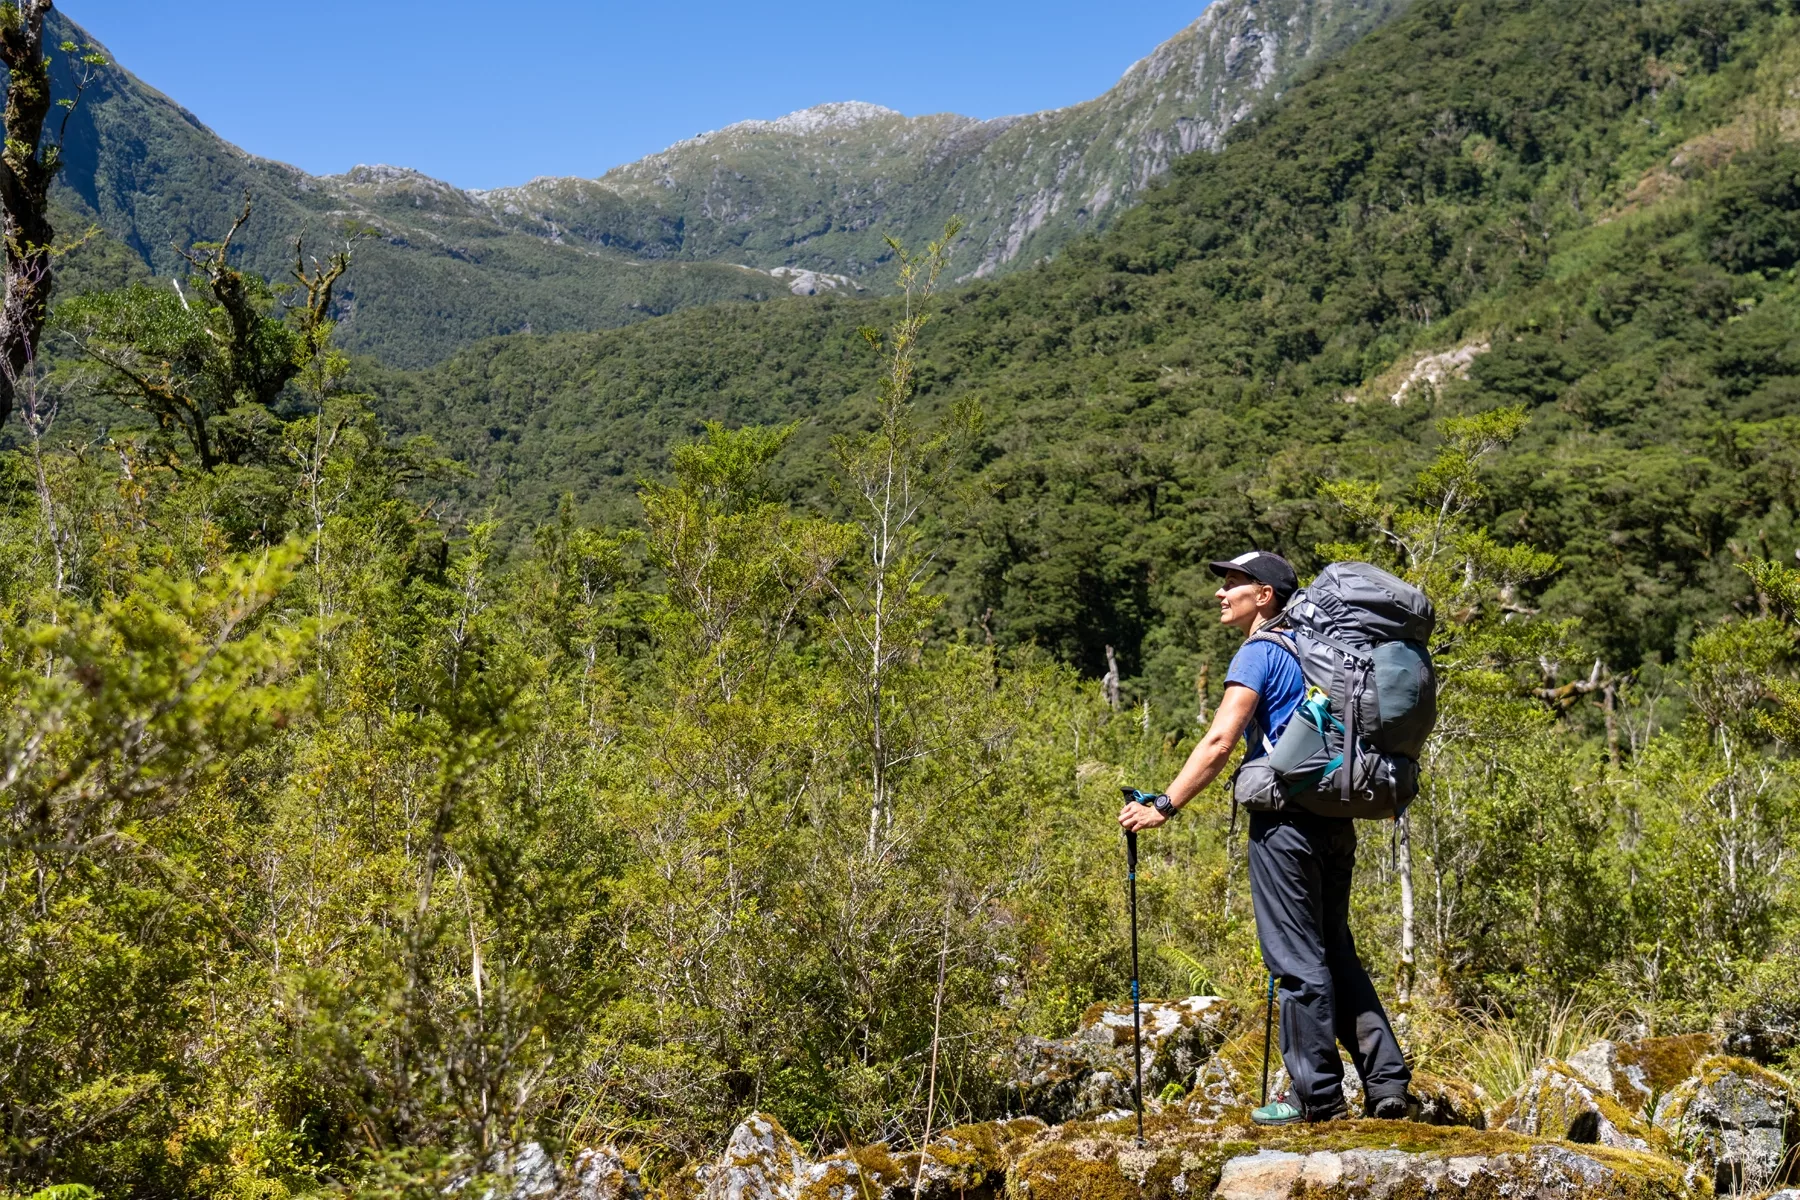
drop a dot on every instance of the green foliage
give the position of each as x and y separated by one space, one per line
357 837
1753 222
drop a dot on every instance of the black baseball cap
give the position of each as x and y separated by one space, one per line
1264 566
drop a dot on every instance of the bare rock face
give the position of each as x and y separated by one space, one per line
1736 1121
761 1162
1558 1102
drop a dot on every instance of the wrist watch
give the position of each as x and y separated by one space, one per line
1167 807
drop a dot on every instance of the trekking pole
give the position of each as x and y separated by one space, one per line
1268 1026
1137 1056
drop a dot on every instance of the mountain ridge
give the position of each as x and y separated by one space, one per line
708 219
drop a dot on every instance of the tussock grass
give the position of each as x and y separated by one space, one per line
1498 1052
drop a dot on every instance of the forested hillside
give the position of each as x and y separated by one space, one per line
1559 197
597 738
704 222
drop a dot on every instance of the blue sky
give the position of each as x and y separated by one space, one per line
485 93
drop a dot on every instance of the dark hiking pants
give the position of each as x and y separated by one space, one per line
1300 867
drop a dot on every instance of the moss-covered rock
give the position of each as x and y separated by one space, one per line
1659 1064
1091 1072
860 1173
1104 1162
601 1173
1557 1102
1447 1101
1736 1121
761 1162
1339 1160
1231 1080
972 1160
1394 1174
1177 1035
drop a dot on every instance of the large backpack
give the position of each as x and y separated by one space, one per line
1352 747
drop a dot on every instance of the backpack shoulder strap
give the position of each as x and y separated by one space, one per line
1279 637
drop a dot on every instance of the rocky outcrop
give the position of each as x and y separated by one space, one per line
1573 1131
1090 1073
601 1175
1342 1161
1392 1174
1557 1102
1737 1122
761 1162
1448 1102
1637 1073
1182 1157
529 1172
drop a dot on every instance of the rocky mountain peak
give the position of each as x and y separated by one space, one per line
820 118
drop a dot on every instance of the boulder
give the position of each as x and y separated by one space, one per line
761 1162
971 1160
1394 1174
1048 1078
1736 1121
1449 1102
1177 1035
522 1172
1557 1102
1090 1073
1658 1064
964 1161
865 1173
1638 1073
1099 1162
600 1174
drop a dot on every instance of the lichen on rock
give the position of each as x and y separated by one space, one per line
1395 1174
1557 1102
1738 1123
761 1162
1091 1072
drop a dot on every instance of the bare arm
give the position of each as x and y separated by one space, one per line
1207 760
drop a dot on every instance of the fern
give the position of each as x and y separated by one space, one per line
1199 976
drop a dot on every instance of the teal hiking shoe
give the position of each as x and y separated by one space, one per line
1279 1111
1283 1111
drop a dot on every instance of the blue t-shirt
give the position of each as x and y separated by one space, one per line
1275 676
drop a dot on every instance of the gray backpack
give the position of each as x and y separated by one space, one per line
1352 747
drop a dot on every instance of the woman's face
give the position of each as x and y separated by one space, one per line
1240 598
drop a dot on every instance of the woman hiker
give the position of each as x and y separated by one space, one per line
1300 868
